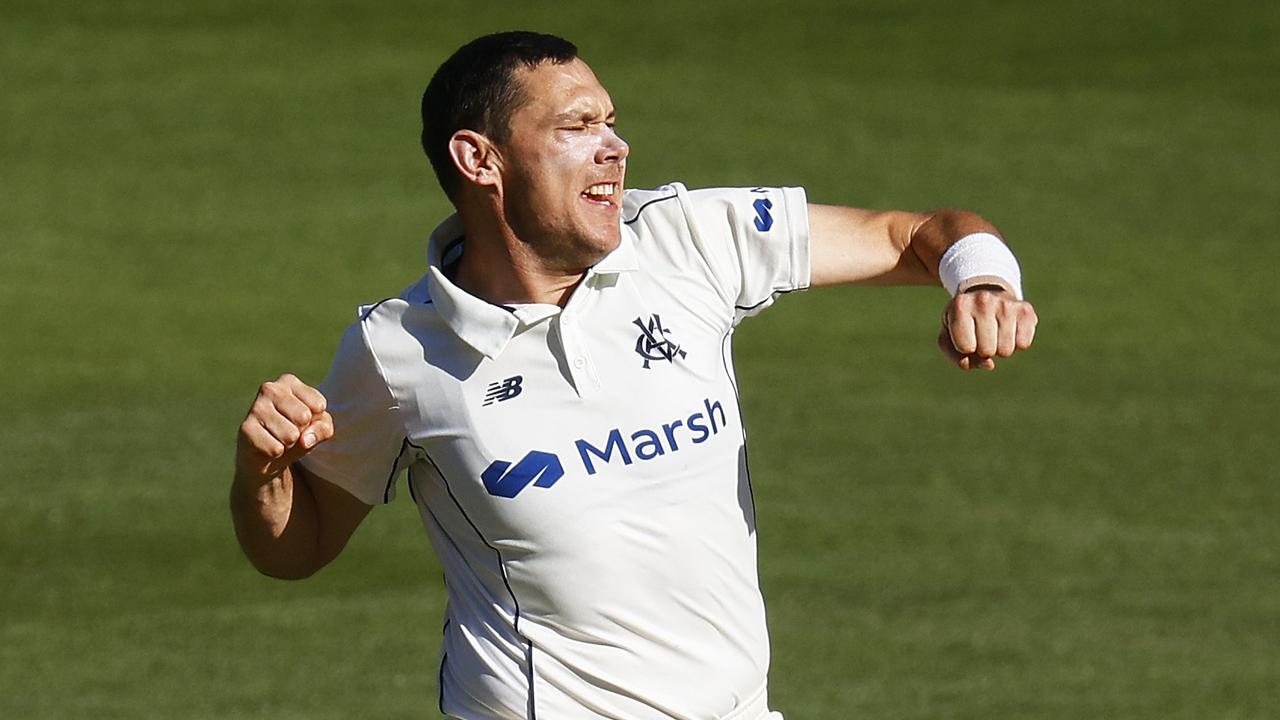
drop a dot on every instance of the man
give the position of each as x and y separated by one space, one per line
558 386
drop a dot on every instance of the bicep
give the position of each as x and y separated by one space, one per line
863 247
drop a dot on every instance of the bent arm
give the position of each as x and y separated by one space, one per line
986 317
290 523
869 247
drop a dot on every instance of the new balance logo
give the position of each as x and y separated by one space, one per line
542 469
503 389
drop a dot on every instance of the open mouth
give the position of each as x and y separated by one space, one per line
601 193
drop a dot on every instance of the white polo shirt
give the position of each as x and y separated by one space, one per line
581 472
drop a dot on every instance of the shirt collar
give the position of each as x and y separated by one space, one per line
484 326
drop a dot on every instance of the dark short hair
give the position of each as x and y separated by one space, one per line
476 89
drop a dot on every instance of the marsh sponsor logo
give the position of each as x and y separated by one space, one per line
647 444
616 447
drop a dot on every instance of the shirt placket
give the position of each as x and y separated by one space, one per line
574 341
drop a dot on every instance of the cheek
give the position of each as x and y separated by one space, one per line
547 171
552 170
572 154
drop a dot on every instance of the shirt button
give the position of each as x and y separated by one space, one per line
579 362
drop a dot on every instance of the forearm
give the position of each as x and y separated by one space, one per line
276 523
850 246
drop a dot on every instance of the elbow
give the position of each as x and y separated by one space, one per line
282 567
286 572
274 557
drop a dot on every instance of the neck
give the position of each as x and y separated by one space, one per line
499 267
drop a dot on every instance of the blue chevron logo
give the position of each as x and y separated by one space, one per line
542 469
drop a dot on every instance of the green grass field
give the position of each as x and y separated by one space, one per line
195 196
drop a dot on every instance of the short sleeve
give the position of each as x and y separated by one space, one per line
755 241
368 448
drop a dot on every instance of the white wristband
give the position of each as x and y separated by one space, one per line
980 259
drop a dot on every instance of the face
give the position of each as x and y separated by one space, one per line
562 167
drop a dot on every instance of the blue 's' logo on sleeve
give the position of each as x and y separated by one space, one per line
764 220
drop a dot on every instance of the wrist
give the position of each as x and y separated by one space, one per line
980 260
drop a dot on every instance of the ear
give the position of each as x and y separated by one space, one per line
475 157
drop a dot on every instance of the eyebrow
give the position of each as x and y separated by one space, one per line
579 113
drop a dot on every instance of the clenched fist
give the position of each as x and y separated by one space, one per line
287 419
981 324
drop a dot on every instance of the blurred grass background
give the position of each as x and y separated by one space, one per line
195 196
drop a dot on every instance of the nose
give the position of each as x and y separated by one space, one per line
613 149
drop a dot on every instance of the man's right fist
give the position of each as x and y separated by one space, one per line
286 420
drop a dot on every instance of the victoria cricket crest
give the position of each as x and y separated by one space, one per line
654 343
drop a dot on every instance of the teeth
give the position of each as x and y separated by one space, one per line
601 190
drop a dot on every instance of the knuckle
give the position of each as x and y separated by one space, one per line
261 407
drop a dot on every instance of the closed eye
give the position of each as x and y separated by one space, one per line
584 126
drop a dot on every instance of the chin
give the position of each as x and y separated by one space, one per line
590 250
609 242
612 240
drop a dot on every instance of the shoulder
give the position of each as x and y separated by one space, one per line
395 329
656 201
673 210
416 294
675 202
